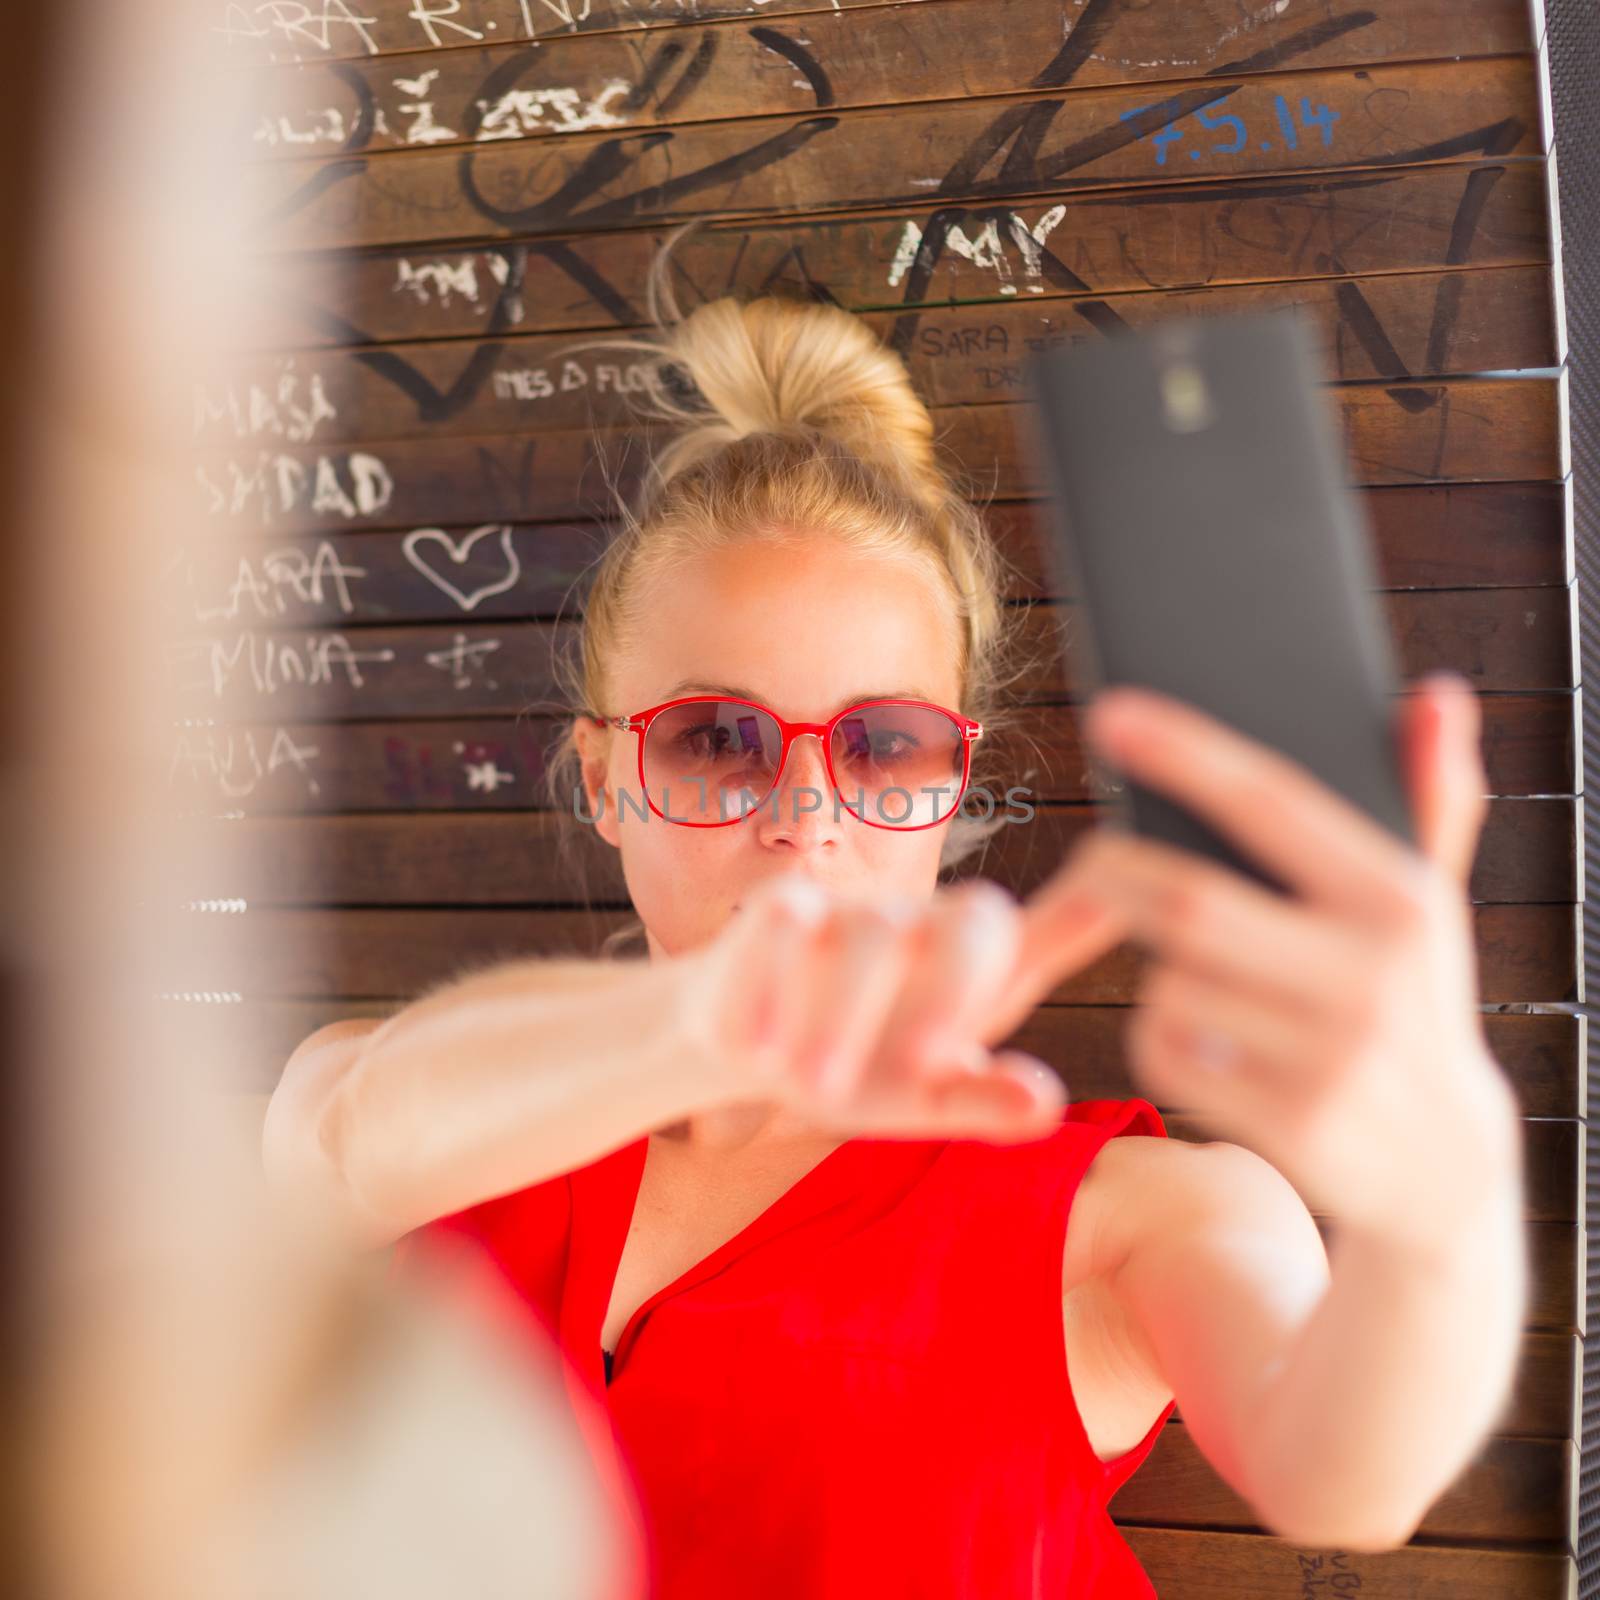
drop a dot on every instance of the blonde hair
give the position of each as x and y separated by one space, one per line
788 417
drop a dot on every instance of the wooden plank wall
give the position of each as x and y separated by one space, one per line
406 477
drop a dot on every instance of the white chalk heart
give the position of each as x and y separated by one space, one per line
458 553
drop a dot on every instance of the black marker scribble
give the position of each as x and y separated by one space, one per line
588 277
1297 44
1089 30
602 165
1024 168
322 180
606 161
810 288
689 79
1463 229
432 404
366 117
1094 145
792 50
1357 314
1014 138
360 135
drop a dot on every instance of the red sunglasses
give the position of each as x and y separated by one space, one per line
700 752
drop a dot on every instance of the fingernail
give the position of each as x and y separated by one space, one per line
1052 1091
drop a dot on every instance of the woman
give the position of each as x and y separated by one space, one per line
833 1250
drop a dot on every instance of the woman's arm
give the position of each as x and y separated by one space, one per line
1341 1398
495 1081
862 1016
1335 1031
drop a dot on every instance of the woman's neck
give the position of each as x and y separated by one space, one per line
742 1127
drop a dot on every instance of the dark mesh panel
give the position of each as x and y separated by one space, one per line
1573 44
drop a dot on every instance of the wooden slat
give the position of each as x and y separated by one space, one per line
269 31
1390 115
1538 1053
1528 850
1501 318
1524 953
1553 1179
905 54
1423 536
1210 235
1527 854
1460 430
1556 1274
1388 326
1513 1489
1528 742
1541 1407
1501 639
1200 1565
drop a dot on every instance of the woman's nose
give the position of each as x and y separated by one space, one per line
804 787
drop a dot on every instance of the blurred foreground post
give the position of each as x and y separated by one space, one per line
202 1402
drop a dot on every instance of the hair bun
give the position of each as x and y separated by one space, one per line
778 365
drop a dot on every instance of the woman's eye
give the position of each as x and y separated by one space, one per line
710 741
890 746
705 739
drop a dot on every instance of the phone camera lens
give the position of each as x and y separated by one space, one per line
1186 399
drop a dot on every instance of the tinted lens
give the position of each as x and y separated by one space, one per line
710 760
899 766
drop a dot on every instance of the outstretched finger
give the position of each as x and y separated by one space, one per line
1048 1094
972 938
1441 730
761 984
1013 1097
857 984
1064 927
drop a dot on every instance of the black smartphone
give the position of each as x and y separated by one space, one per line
1202 520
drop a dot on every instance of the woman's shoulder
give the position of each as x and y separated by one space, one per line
1015 1188
1132 1114
1083 1130
1138 1189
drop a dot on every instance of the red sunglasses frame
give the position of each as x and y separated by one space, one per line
640 721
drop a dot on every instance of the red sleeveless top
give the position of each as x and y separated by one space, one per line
864 1392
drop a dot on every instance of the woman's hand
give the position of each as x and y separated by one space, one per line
1336 1033
874 1016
